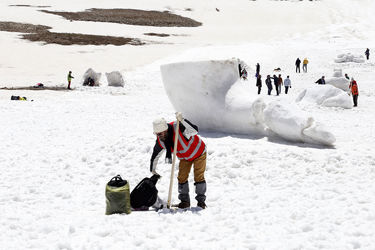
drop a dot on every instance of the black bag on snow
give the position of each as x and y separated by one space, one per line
145 193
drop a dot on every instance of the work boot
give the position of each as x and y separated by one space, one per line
183 192
184 204
200 190
201 204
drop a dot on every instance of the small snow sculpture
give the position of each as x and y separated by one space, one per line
349 57
115 79
91 78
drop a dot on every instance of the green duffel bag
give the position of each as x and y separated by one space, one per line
117 196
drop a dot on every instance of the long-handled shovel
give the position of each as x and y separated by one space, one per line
173 162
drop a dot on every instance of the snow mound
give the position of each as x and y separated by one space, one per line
211 95
325 95
115 79
349 57
91 73
337 72
291 123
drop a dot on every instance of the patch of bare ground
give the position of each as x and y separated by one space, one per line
156 34
79 39
40 33
129 16
27 5
23 27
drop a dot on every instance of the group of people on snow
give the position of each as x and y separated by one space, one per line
277 81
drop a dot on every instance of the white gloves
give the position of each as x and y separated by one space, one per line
179 116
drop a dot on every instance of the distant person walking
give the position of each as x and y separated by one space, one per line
304 67
259 83
257 70
276 83
269 84
279 83
287 84
354 89
298 65
70 77
367 53
321 81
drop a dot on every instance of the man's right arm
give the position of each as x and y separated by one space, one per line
157 152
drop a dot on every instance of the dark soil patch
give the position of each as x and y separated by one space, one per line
40 33
129 16
80 39
32 6
156 34
23 27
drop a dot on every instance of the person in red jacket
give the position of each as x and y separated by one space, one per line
354 89
191 150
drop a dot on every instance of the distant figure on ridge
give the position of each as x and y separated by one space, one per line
305 62
298 65
287 84
367 53
70 77
354 89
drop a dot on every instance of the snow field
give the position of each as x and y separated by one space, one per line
60 150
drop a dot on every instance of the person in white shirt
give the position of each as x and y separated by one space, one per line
287 84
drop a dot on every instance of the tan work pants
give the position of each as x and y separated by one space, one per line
199 168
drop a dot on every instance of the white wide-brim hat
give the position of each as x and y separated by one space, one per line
159 125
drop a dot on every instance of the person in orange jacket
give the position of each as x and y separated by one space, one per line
354 89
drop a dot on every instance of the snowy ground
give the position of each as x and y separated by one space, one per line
60 150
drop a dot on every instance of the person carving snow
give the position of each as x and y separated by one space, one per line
191 150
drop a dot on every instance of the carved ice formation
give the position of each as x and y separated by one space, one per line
326 95
210 94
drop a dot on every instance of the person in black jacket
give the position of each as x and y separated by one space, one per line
298 65
276 83
321 81
269 84
259 83
191 150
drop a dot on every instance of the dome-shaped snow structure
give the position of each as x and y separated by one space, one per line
91 78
